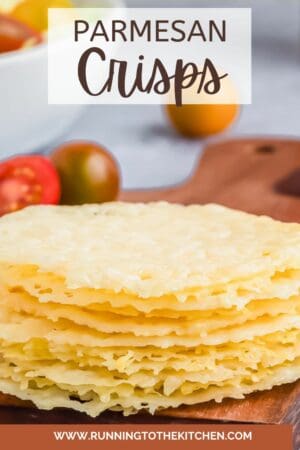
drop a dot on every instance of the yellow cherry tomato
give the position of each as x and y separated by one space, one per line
34 13
201 120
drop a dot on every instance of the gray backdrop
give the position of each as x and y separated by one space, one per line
150 153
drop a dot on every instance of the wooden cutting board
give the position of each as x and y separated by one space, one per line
260 176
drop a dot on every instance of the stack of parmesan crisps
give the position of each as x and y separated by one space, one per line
132 306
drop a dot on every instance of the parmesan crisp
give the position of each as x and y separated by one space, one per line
146 306
148 250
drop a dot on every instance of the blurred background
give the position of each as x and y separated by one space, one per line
149 150
152 154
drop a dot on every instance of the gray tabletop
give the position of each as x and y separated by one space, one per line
151 154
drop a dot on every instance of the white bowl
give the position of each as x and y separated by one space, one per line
27 122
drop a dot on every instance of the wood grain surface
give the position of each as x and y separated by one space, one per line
260 176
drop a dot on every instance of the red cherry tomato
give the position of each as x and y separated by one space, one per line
14 34
27 180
